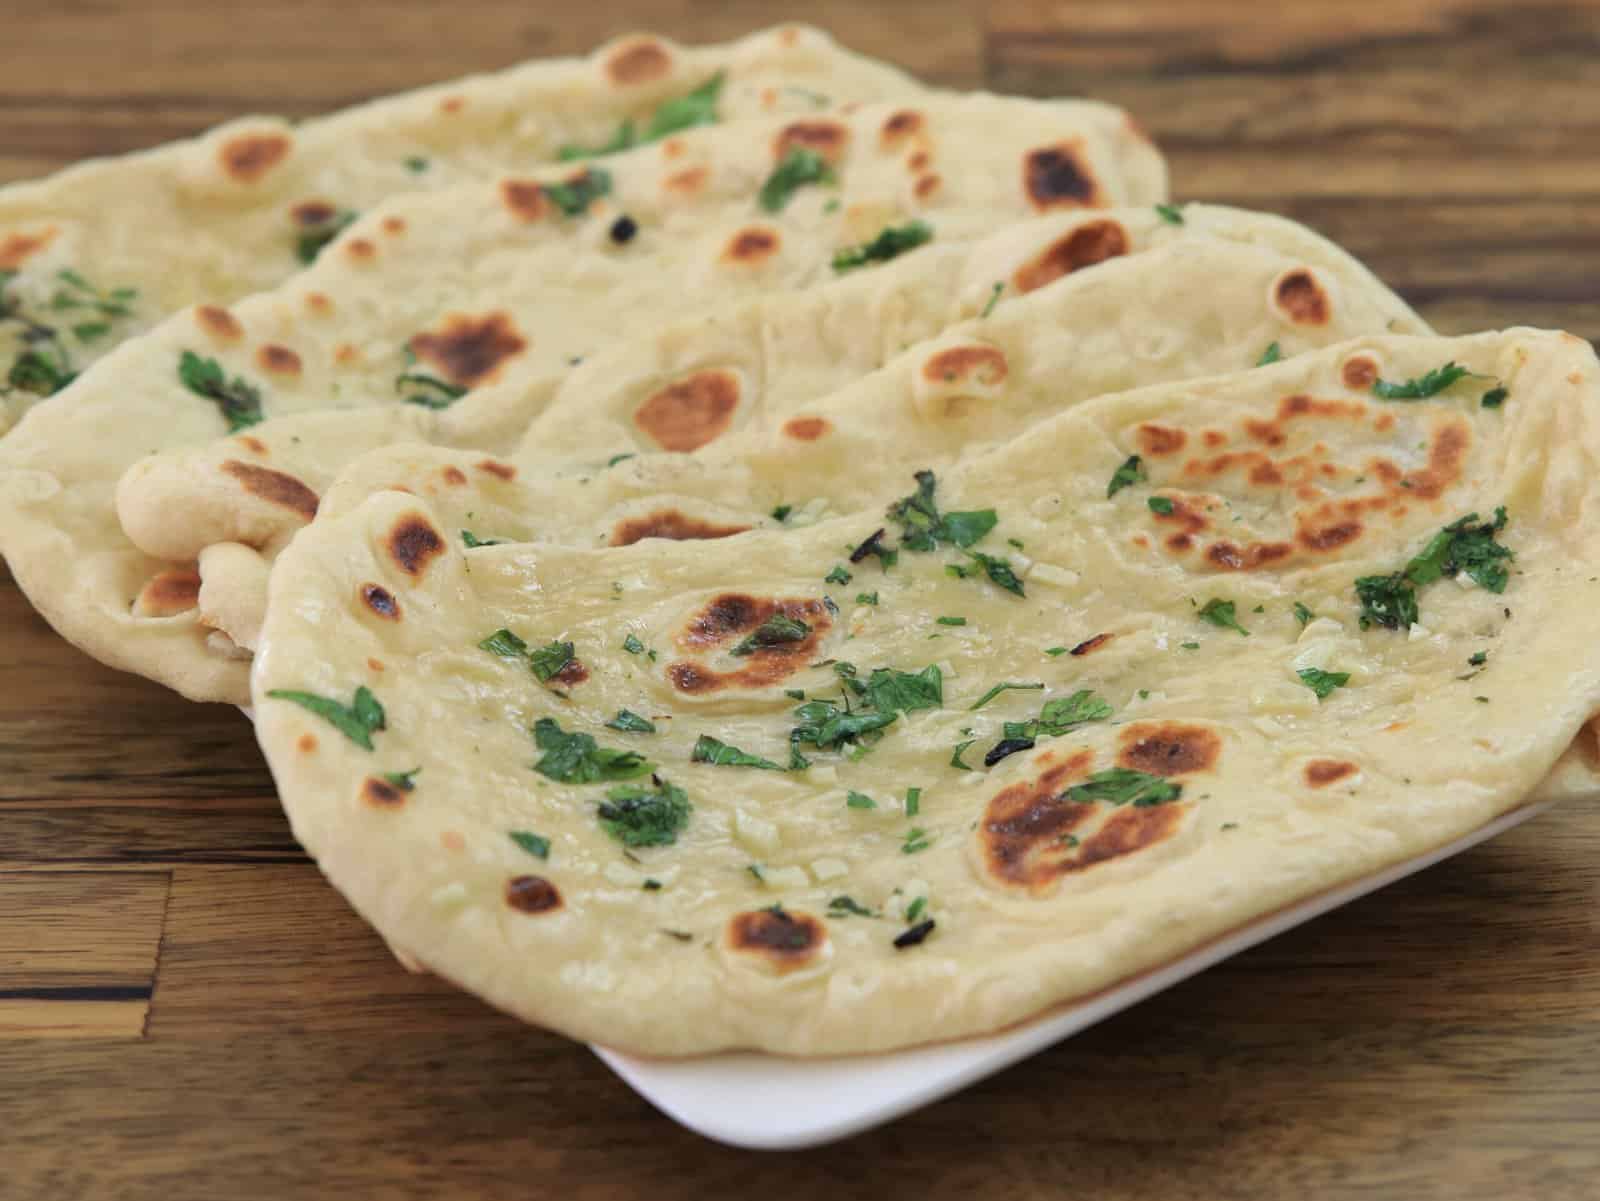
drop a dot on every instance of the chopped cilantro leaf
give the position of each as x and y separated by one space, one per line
859 800
916 840
311 241
640 817
698 107
1463 546
1160 504
632 645
1270 355
1124 786
1323 682
719 754
534 844
1054 651
471 540
415 164
1189 646
577 759
357 721
955 757
1389 601
913 801
914 910
951 621
866 598
839 575
1423 386
781 512
893 241
1478 659
574 196
891 691
239 401
998 569
1303 615
1172 214
778 629
994 299
1495 397
1007 687
428 391
843 906
1220 613
801 166
1130 473
630 722
923 527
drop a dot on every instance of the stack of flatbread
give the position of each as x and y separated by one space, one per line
728 547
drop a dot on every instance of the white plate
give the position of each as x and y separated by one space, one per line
766 1102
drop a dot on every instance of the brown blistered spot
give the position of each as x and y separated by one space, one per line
380 794
926 186
1266 475
723 622
1185 515
311 213
1214 438
169 593
573 673
1301 298
254 445
455 477
1157 440
218 322
394 225
16 248
1168 748
1026 826
1180 543
1322 772
669 523
345 354
1125 833
274 487
1092 243
1383 422
504 471
638 61
1090 645
782 938
984 365
532 894
452 104
1232 557
752 245
249 156
1056 177
673 147
1447 455
898 127
469 350
1359 373
919 161
375 665
806 429
1325 537
413 544
688 181
279 360
319 303
827 138
524 199
687 414
361 249
307 743
381 601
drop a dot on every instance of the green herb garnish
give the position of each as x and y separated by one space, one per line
574 196
719 754
428 391
471 540
998 569
955 757
914 910
1130 473
1170 213
1323 682
951 621
640 817
994 299
1495 397
357 721
1061 715
632 645
923 527
630 722
866 598
415 163
893 241
1007 687
1423 386
777 630
1303 615
239 401
1270 355
838 576
846 906
916 840
891 691
535 844
1124 786
913 801
1160 504
405 781
859 800
1390 601
1220 613
781 512
546 662
573 758
1478 659
801 166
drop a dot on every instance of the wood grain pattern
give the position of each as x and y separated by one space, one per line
237 1031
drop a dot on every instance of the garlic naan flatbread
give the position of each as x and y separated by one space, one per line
106 249
1162 664
431 295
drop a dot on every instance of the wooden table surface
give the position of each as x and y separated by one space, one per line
187 1010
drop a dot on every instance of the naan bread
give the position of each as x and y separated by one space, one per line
483 282
1200 728
1268 282
221 216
